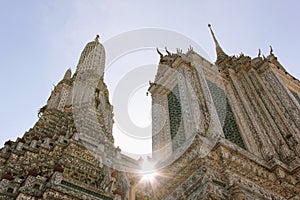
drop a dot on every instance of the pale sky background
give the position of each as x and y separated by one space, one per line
40 40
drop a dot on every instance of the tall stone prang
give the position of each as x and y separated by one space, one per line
92 111
69 153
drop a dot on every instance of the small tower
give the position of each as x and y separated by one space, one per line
61 93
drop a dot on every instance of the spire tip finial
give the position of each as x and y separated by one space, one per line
220 53
97 38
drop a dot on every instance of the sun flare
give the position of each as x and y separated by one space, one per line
148 171
149 177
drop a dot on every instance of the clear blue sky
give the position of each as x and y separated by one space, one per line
39 40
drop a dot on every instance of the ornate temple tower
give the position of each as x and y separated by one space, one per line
69 153
241 118
92 111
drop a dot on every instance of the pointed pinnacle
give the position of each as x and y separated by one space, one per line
220 53
68 74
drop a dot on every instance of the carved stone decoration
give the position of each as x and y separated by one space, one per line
56 178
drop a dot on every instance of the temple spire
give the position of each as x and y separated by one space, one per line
220 53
